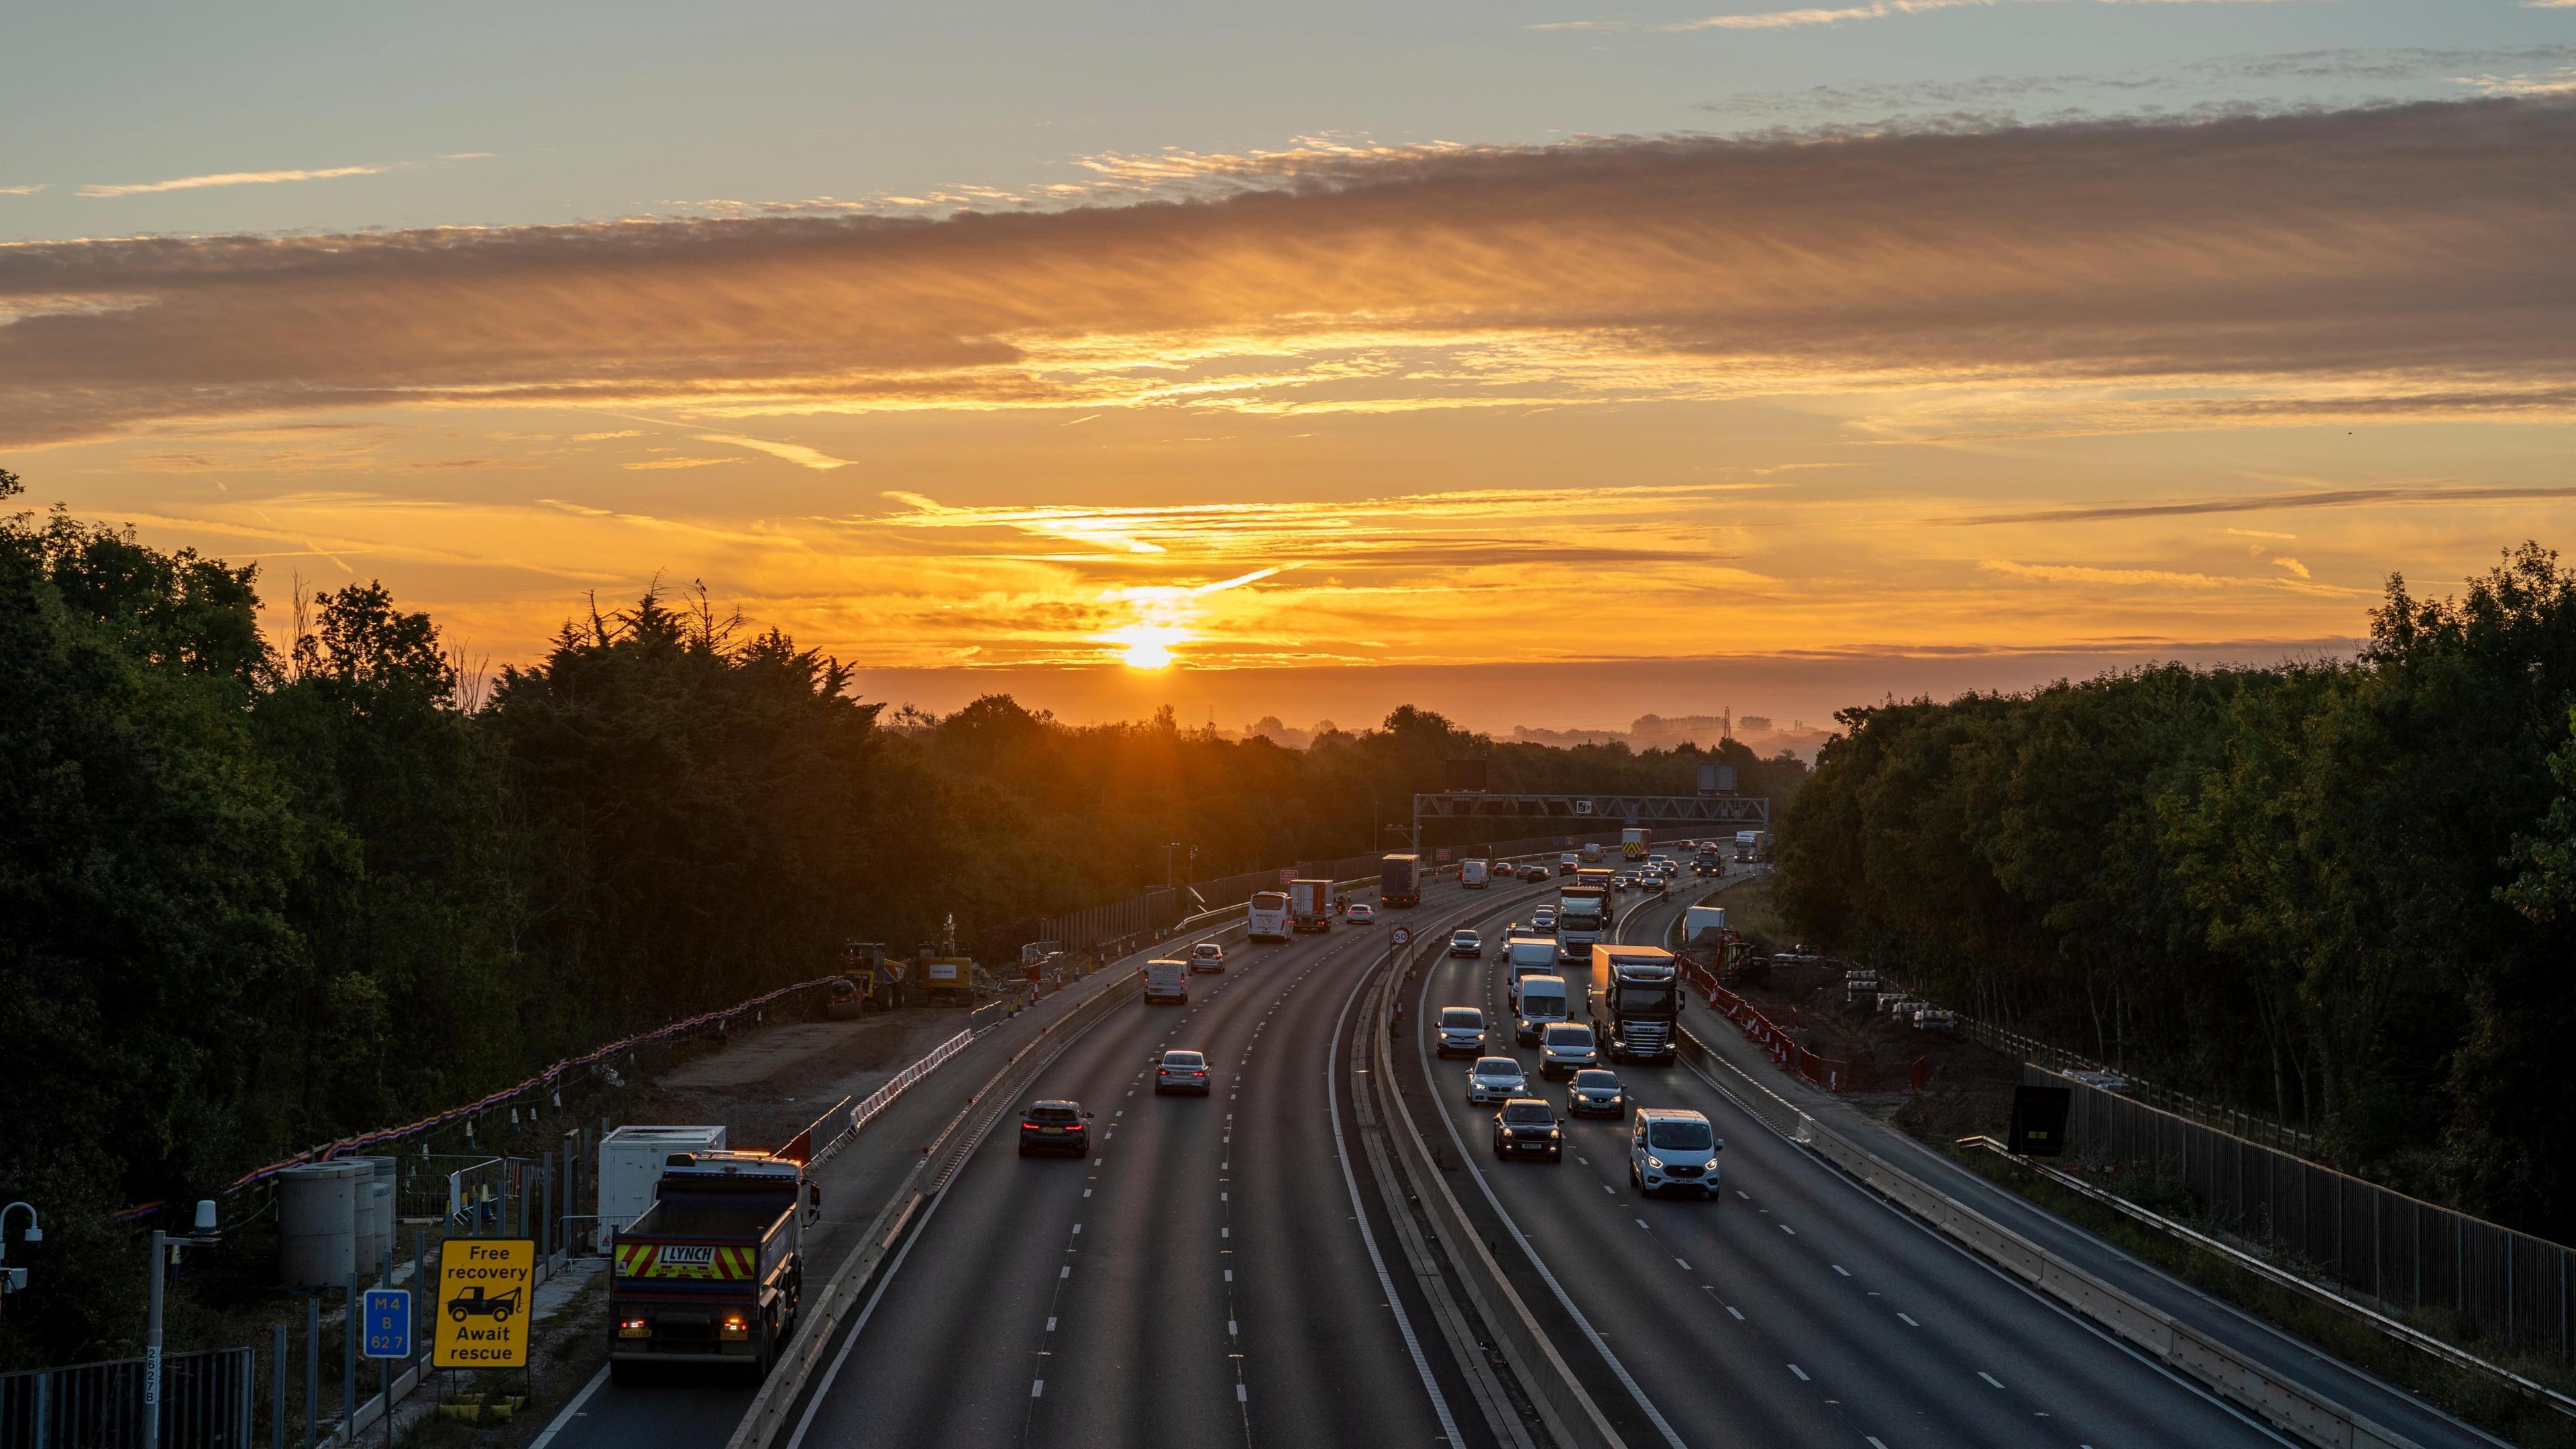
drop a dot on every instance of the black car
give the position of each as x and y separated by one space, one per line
1596 1089
1058 1126
1526 1127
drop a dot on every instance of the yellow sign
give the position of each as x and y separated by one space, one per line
486 1287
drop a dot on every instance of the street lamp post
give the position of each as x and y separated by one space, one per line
164 1247
13 1279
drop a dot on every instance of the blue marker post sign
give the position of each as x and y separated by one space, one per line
386 1313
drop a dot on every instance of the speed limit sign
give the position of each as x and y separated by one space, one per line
1400 935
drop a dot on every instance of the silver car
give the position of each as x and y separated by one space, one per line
1462 1031
1566 1047
1495 1079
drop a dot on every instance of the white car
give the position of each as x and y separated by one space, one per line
1495 1079
1207 956
1566 1047
1362 914
1462 1031
1466 943
1181 1071
1669 1147
1543 919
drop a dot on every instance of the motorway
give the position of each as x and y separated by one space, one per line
1202 1279
1791 1309
1224 1269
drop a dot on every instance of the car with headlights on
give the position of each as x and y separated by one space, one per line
1543 920
1526 1127
1462 1031
1467 944
1566 1047
1495 1079
1055 1126
1595 1091
1178 1070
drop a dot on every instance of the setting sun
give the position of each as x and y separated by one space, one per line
1149 646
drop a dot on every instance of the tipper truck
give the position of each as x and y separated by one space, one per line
714 1271
1399 880
1636 999
1310 905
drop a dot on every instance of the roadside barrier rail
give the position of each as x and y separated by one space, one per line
1831 1073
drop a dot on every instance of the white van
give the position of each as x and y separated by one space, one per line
1526 956
1542 1000
1669 1147
1167 981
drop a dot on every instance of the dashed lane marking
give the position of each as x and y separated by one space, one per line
1801 1373
1990 1378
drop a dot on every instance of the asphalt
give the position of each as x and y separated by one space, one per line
1217 1271
1794 1307
1201 1279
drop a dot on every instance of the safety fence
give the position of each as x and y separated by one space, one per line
2397 1251
1830 1073
206 1403
883 1097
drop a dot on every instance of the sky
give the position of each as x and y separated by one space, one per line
1548 362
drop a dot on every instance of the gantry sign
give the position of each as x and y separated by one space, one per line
1743 811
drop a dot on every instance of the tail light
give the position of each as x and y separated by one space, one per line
634 1328
1028 1127
735 1328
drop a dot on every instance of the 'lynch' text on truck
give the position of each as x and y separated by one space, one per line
714 1271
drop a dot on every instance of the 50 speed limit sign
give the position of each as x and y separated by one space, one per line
1401 936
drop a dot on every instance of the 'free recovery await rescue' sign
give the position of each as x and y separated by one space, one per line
484 1290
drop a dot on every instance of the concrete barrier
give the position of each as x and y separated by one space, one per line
822 1318
2289 1407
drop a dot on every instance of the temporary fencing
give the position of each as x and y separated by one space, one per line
883 1097
2396 1250
491 1101
1830 1073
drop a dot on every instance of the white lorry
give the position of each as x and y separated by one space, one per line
1703 925
1526 956
1310 905
1582 919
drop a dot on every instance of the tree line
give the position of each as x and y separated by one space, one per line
254 898
2338 893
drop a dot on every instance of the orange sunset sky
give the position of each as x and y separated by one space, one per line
1774 376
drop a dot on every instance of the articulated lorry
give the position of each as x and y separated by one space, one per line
1582 919
1310 905
1399 880
1636 1001
714 1271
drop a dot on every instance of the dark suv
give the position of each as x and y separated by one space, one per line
1055 1127
1527 1126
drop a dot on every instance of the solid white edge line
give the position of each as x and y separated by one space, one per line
1359 1215
1592 1335
579 1399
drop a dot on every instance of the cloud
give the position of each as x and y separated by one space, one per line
603 437
2559 82
796 453
2270 502
232 178
2406 261
2296 568
1875 10
22 190
680 463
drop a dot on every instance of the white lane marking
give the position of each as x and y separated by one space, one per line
1605 1187
1801 1373
1231 1331
571 1409
1077 1230
1220 1197
1874 1444
1839 1268
1238 1393
1641 1222
1037 1388
1748 1197
1564 1299
1064 1272
1359 1214
1229 1275
1050 1323
1990 1378
1909 1321
1738 1312
1225 1232
1685 1266
1792 1232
